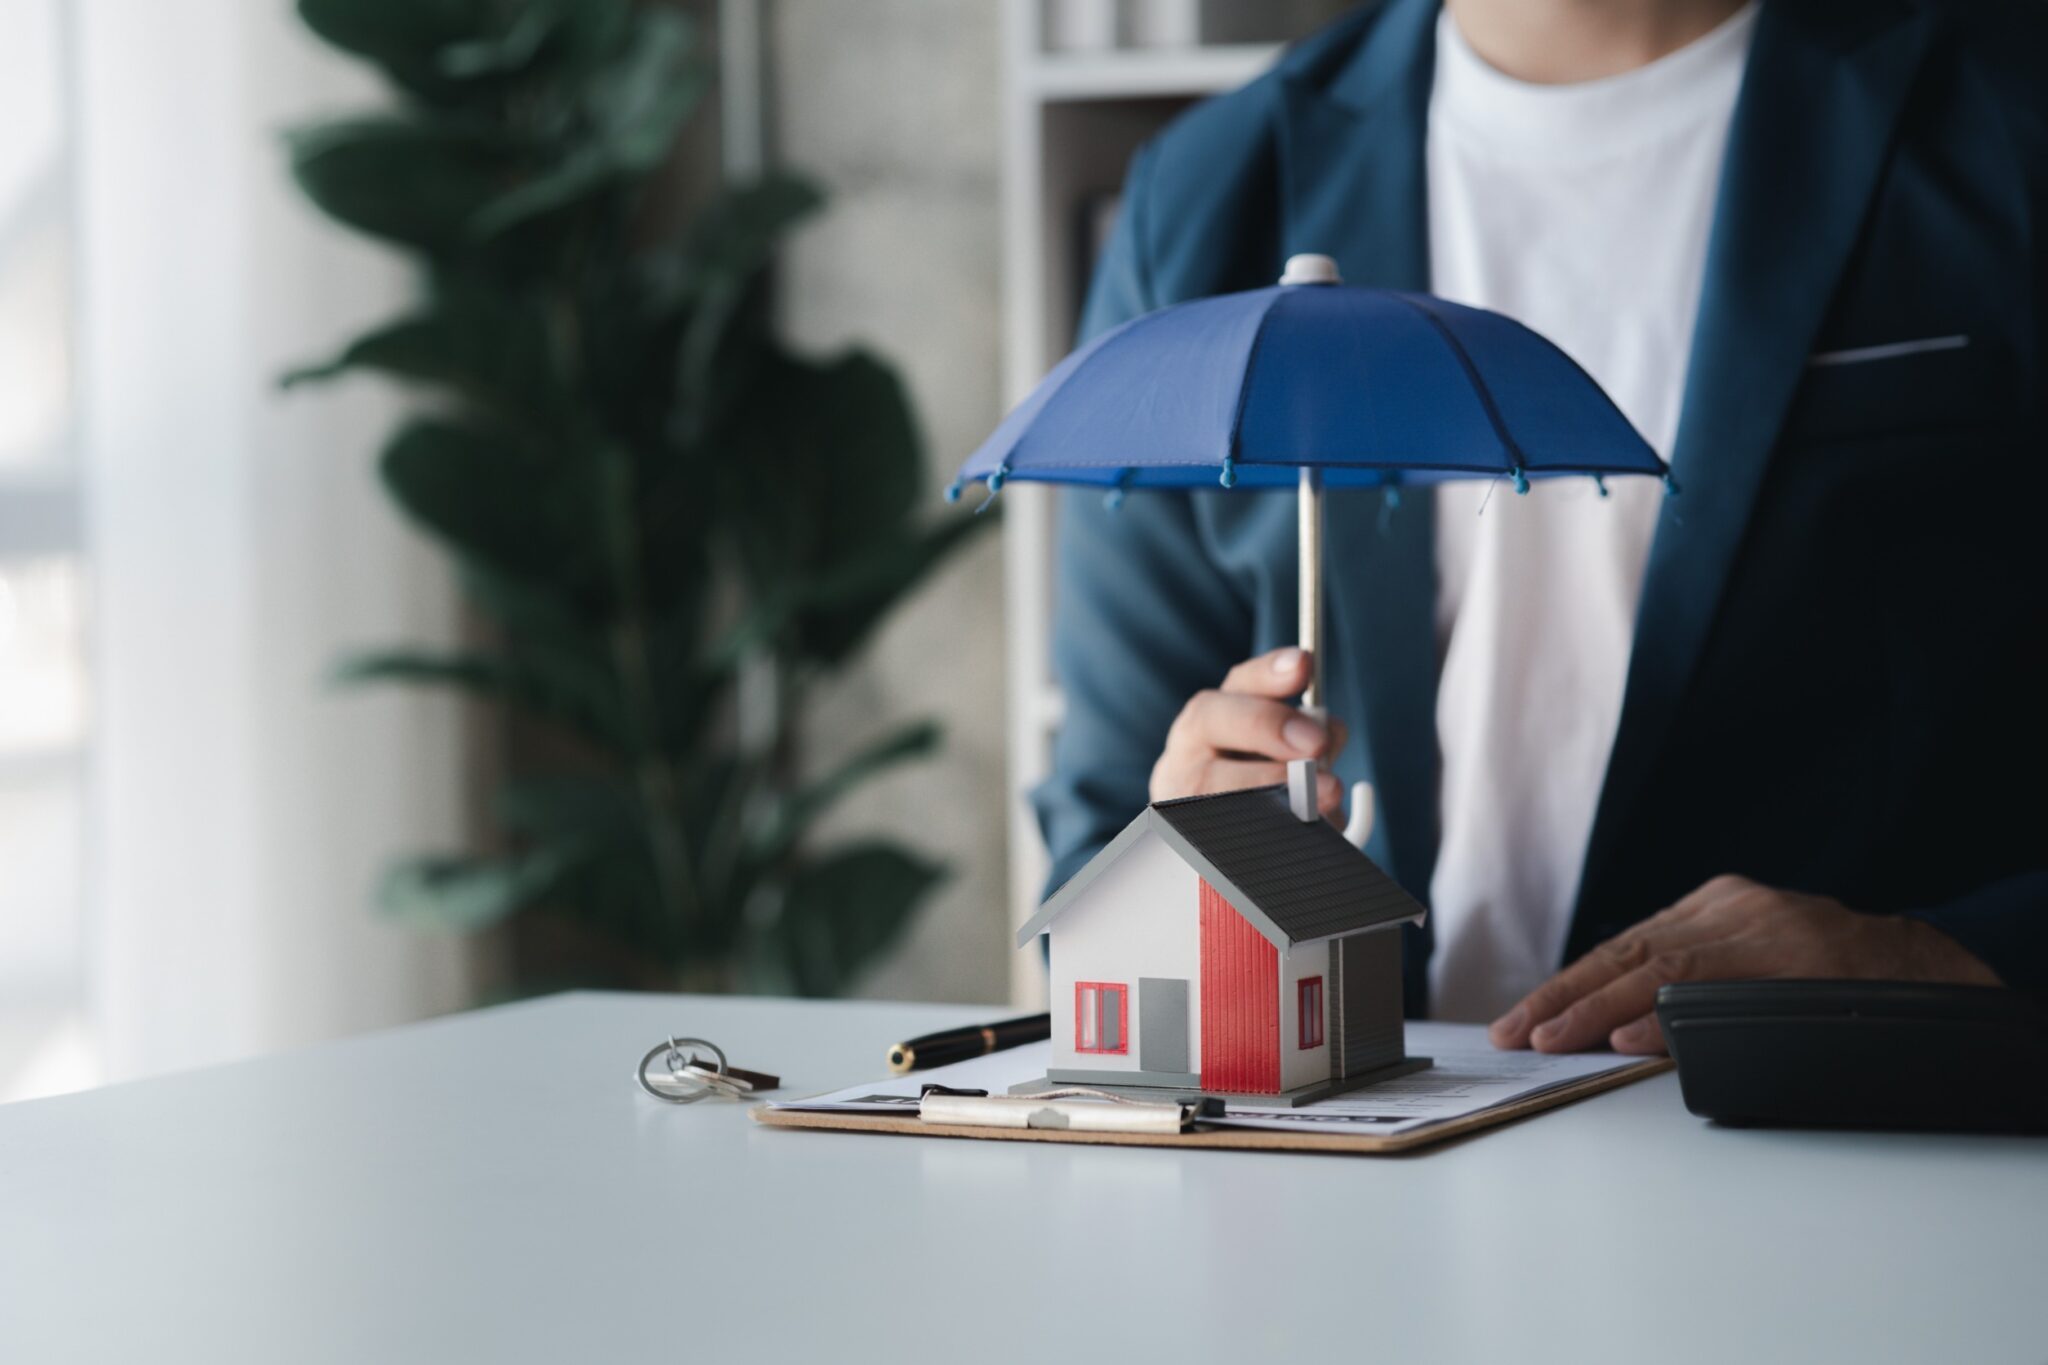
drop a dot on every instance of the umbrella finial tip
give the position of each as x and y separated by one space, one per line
953 491
1521 480
1310 267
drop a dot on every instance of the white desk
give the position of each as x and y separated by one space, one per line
493 1188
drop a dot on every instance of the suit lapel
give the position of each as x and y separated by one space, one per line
1809 140
1352 185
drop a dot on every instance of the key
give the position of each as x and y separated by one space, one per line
691 1076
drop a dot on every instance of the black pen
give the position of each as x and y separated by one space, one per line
975 1040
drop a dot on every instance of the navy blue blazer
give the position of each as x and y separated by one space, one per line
1838 680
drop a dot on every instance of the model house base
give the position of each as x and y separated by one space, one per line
1293 1099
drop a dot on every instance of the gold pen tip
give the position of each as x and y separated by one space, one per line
901 1059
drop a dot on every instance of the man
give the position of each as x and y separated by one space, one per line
1792 722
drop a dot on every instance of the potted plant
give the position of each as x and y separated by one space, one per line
666 521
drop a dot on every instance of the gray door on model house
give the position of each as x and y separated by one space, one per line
1163 1025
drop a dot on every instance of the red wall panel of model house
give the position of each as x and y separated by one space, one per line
1240 1002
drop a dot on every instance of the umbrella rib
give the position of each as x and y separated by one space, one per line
1244 389
1472 377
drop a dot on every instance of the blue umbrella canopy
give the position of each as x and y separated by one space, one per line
1309 385
1368 386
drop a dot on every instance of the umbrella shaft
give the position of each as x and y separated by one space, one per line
1310 583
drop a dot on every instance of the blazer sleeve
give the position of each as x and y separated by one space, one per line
2005 925
1143 618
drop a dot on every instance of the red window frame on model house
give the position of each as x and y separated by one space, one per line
1308 1000
1090 998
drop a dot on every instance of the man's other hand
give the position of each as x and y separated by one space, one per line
1244 733
1731 928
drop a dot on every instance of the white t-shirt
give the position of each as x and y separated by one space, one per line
1582 211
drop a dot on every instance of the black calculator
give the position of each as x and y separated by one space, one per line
1860 1054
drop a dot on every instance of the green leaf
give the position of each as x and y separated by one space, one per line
572 692
688 689
505 54
405 37
842 910
838 614
796 811
499 503
462 895
596 812
823 464
830 617
637 109
489 345
410 181
732 239
588 35
534 613
709 273
639 105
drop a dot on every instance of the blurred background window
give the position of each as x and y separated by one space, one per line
44 713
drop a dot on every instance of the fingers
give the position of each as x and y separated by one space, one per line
1678 926
1610 961
1623 1005
1243 734
1728 927
1643 1037
1233 723
1281 675
1278 674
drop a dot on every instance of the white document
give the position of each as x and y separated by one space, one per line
1467 1076
995 1073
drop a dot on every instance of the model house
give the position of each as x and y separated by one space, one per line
1226 945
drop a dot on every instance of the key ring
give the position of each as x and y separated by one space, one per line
689 1072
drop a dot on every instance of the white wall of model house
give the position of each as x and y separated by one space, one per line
1140 917
1299 1065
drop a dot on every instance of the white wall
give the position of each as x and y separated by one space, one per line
1298 1067
1140 917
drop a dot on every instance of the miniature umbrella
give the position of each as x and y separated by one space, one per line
1312 384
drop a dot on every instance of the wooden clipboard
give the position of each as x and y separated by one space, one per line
1229 1139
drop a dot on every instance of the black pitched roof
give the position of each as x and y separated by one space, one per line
1295 880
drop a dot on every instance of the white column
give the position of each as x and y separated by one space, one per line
240 545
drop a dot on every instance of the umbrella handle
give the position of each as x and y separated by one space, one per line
1309 585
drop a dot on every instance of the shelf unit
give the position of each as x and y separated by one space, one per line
1071 122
